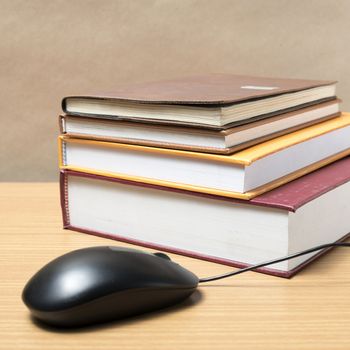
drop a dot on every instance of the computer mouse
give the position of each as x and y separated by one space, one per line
99 284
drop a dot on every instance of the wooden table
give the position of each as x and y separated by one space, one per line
250 311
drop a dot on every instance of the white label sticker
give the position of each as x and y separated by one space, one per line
253 87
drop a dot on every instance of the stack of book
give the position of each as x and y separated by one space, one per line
231 169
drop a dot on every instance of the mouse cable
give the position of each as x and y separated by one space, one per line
274 261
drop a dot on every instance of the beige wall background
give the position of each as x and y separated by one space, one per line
49 49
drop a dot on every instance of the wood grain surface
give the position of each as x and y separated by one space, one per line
250 311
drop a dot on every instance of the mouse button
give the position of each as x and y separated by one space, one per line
56 289
71 279
42 291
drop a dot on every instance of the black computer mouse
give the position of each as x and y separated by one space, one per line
99 284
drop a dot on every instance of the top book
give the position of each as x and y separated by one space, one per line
214 101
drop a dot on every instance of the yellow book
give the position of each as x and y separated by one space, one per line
244 174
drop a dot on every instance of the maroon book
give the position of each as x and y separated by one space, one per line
302 201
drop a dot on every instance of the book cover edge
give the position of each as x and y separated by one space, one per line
221 193
183 147
190 254
245 157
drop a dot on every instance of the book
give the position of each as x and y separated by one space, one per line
196 139
306 212
244 174
216 100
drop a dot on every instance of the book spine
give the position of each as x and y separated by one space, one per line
62 124
64 105
64 199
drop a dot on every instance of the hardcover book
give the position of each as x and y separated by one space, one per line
306 212
212 101
244 174
193 138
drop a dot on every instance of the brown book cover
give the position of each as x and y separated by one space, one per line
213 91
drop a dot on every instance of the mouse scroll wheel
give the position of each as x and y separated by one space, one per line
162 255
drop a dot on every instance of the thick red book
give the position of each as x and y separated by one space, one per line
306 212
